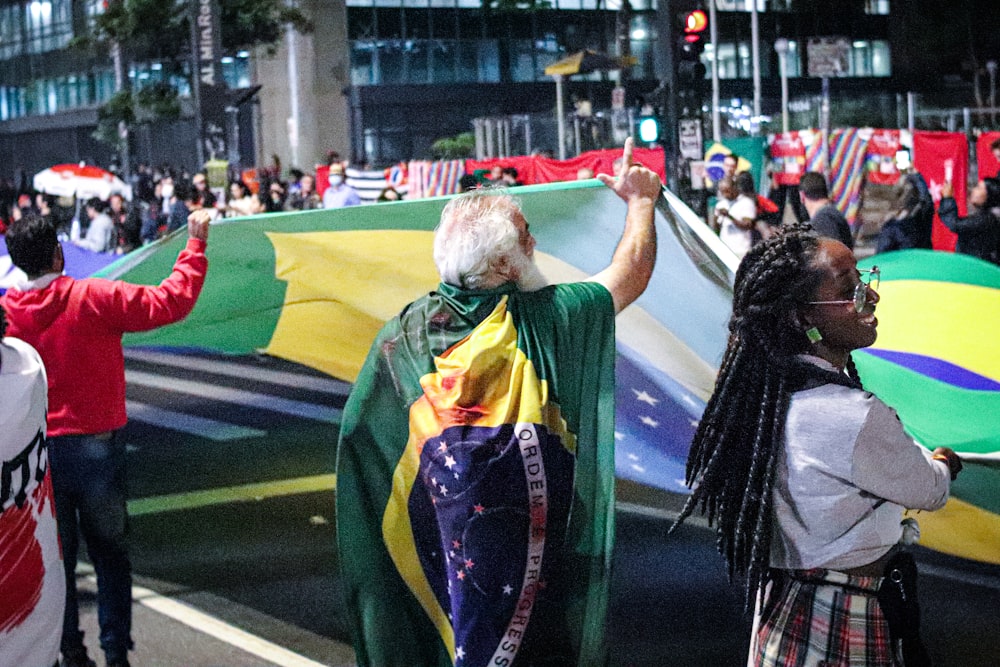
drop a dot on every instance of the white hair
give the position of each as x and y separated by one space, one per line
475 235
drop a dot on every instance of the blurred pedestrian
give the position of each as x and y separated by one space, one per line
241 201
100 229
389 193
736 212
908 225
824 216
979 233
275 202
304 197
339 194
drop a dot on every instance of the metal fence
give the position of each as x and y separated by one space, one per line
538 133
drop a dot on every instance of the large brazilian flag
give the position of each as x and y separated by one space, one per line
475 481
937 362
316 287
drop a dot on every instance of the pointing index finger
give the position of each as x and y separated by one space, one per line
626 157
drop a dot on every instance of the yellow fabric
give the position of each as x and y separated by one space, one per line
961 529
333 302
932 318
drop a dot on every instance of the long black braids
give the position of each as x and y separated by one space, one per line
733 456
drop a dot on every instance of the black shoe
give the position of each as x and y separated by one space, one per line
77 658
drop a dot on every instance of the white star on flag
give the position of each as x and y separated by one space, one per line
459 652
619 436
449 462
644 397
649 421
508 589
443 490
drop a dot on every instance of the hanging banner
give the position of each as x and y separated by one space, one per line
788 158
935 154
210 88
847 161
880 162
989 166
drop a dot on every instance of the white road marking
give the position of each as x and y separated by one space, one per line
219 367
253 399
191 424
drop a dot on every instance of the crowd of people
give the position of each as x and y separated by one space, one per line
742 217
501 409
163 197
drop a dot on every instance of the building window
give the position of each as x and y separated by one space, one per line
793 61
48 24
236 70
11 35
92 9
733 59
746 5
880 7
869 58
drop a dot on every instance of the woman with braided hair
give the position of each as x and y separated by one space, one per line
804 474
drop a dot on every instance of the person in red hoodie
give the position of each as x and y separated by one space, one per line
77 328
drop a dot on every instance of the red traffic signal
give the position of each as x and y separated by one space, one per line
695 22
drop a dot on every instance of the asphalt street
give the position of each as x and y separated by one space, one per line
231 464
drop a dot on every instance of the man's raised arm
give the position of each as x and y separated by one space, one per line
633 260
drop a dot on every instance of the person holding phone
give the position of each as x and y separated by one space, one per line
978 233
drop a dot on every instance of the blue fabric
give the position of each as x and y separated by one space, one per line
88 478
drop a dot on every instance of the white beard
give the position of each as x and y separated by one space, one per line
530 278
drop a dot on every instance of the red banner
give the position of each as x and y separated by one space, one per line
788 158
881 157
533 169
989 167
938 156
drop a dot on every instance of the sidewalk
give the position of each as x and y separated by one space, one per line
169 632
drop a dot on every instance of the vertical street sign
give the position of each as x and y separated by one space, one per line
209 88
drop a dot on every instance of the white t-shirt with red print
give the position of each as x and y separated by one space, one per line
32 583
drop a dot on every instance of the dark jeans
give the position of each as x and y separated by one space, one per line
88 477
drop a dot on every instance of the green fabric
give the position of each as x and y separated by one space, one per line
567 334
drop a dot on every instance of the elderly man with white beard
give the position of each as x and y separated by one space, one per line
475 472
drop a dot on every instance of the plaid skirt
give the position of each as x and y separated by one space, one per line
820 618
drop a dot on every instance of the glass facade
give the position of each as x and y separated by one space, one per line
31 28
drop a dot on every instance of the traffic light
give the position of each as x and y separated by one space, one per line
649 128
689 68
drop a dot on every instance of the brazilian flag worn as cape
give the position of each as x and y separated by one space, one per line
475 480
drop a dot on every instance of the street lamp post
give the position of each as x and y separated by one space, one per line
991 67
781 46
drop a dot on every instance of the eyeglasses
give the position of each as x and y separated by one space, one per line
869 278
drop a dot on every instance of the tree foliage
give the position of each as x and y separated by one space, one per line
160 30
454 148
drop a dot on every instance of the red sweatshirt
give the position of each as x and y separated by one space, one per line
77 327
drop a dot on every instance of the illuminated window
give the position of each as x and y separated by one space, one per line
880 7
48 24
870 58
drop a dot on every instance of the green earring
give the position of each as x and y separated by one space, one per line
813 334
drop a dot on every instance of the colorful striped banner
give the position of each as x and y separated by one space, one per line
848 148
815 155
433 179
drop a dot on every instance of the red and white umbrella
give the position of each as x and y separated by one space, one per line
80 180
